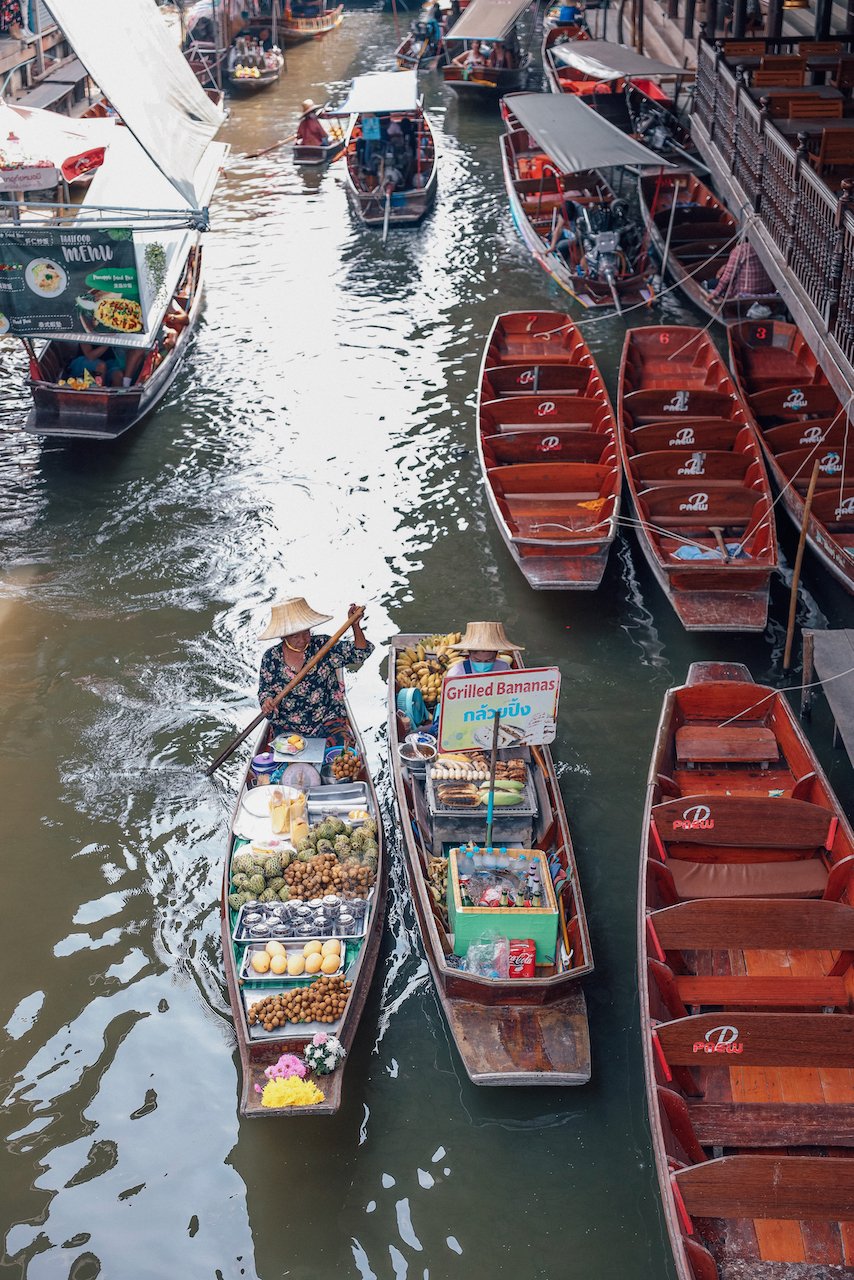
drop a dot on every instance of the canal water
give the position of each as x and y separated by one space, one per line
319 441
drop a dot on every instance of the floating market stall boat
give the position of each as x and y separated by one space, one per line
423 47
800 421
493 62
309 21
306 870
250 68
106 273
521 1030
694 469
391 155
745 946
548 450
694 241
565 211
309 154
623 86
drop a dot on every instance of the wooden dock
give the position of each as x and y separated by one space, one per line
830 656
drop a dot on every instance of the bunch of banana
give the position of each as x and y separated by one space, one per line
414 670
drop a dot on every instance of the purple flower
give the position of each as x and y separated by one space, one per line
320 1038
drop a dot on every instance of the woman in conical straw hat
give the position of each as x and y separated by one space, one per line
482 644
316 708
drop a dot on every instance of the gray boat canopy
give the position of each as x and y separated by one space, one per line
607 61
487 20
383 91
574 136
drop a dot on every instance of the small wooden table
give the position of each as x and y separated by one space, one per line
733 744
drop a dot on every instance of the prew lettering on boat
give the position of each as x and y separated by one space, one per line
846 509
525 377
812 436
679 403
546 408
719 1040
695 466
684 437
697 502
831 464
796 401
548 443
697 817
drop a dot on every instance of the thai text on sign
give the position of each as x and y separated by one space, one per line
526 701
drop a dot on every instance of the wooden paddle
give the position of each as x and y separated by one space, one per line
283 142
719 539
354 617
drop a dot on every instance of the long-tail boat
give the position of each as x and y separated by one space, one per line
623 86
309 155
551 156
800 421
522 1030
548 449
250 69
104 412
694 469
694 241
745 966
375 102
260 1048
485 29
310 23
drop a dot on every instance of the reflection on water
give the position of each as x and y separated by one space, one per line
319 440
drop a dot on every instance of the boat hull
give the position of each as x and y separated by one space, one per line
255 1055
486 84
408 207
105 413
526 1031
296 31
243 86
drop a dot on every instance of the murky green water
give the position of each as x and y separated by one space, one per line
319 440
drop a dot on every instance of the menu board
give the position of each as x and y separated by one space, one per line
525 702
66 282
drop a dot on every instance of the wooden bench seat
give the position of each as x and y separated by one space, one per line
762 1040
772 1124
752 992
711 744
696 433
546 411
565 444
535 379
794 399
805 878
655 404
706 466
828 432
798 1188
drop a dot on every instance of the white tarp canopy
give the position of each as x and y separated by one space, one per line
487 19
383 91
606 61
32 137
130 54
574 136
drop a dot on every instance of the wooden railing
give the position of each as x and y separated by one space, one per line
811 226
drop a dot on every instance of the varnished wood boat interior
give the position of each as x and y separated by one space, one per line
695 471
746 938
520 1031
800 421
258 1054
548 449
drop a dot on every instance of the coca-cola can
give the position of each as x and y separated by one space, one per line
523 956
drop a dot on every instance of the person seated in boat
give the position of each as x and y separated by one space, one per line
434 30
565 231
482 647
175 321
116 366
743 276
310 130
316 708
265 40
470 58
500 56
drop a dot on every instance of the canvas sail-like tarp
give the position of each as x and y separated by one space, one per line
607 61
574 136
383 91
130 54
488 19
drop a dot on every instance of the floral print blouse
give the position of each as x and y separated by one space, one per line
316 707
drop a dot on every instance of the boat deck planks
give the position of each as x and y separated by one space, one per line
829 654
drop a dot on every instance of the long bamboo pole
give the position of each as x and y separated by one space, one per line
796 573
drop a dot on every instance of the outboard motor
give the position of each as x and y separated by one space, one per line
652 127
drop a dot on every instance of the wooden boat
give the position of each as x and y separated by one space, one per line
745 946
416 53
514 1031
548 450
379 96
260 1049
800 421
598 265
104 413
489 25
694 469
257 73
486 84
337 138
702 235
316 21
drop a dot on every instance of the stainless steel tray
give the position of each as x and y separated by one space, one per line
292 947
527 808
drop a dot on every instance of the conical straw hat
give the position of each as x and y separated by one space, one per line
487 636
290 616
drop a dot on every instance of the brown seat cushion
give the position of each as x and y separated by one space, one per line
805 878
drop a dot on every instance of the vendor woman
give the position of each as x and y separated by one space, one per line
482 644
316 707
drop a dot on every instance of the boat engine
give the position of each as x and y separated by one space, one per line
653 128
607 237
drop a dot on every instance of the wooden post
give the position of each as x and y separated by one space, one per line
801 157
760 167
739 18
796 572
774 25
808 673
688 25
837 261
823 14
639 31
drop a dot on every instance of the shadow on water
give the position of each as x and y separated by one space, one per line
319 441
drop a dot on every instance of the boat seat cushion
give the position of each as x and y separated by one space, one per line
805 878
